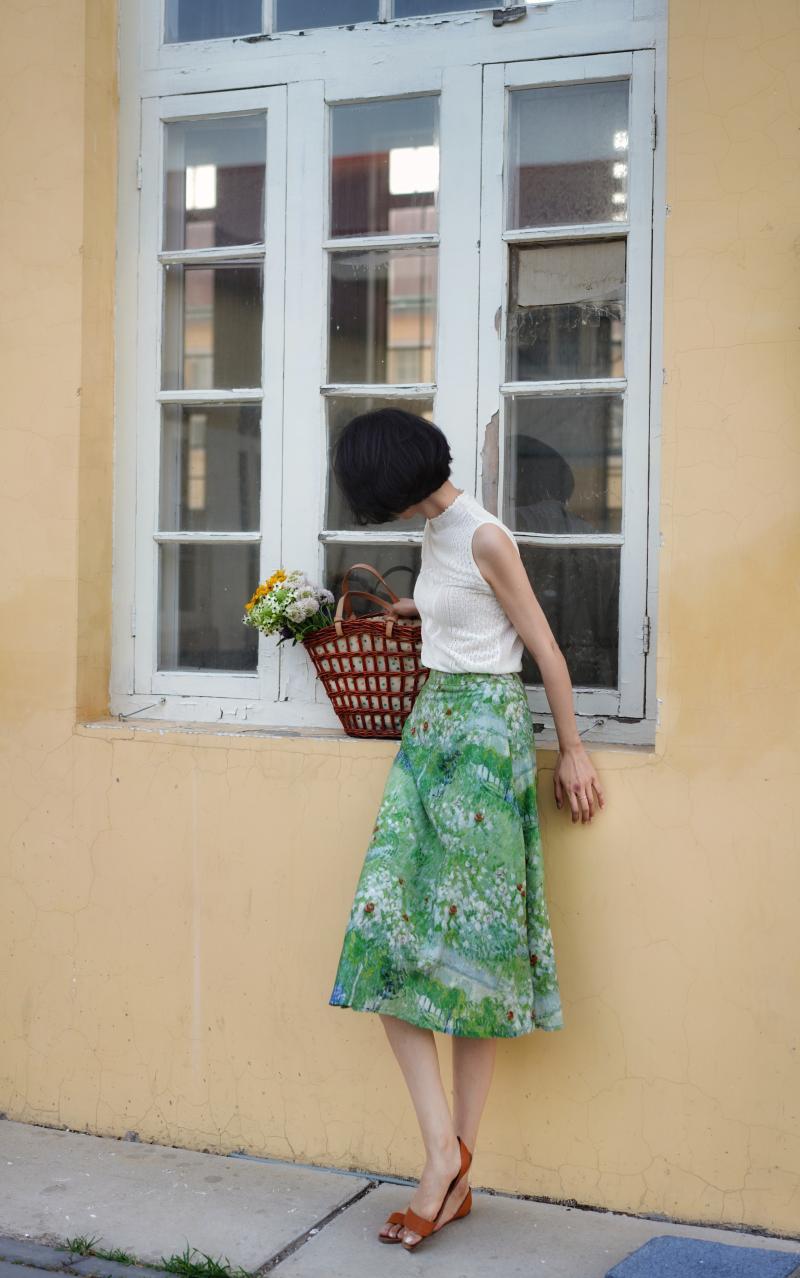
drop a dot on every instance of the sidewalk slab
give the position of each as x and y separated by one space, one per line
152 1200
35 1254
514 1237
290 1220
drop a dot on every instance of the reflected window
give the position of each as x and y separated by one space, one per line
215 173
578 589
210 467
212 327
201 588
211 19
568 162
563 464
385 167
566 311
341 408
419 8
398 565
294 15
382 314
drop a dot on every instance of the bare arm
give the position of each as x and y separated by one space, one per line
500 564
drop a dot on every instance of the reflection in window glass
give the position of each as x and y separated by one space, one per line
398 565
294 15
215 182
566 308
382 310
210 467
384 166
578 589
211 19
212 327
563 464
203 588
417 8
569 154
341 408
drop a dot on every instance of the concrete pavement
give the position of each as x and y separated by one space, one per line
292 1220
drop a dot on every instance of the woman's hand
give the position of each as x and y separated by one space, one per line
575 775
402 608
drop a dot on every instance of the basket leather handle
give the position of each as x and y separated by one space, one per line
344 602
375 573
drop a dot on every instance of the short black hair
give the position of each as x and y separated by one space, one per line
388 460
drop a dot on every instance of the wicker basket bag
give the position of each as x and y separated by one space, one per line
369 665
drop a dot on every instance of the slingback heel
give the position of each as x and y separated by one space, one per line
421 1224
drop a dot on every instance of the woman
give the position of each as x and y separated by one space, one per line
449 927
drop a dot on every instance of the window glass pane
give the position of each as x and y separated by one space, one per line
202 593
382 316
578 589
340 410
210 467
384 167
293 15
209 19
569 154
563 464
215 182
398 565
566 310
416 8
212 327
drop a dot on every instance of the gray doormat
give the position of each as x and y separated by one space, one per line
670 1256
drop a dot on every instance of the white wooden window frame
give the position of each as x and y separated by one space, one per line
451 56
500 81
156 116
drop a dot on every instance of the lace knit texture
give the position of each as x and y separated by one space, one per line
464 628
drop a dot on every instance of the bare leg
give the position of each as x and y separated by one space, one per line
473 1067
416 1053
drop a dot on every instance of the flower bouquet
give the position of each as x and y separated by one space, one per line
288 605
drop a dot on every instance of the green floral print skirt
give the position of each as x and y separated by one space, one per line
449 927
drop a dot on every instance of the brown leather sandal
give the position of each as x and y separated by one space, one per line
421 1224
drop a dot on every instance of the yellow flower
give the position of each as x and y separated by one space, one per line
265 587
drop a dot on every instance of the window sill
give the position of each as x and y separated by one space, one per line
227 735
255 736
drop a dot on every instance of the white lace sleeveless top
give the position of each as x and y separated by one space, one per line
464 628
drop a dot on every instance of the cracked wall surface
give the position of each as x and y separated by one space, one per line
172 905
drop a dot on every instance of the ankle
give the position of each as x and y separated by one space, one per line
442 1147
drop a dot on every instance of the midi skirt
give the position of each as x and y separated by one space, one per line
449 925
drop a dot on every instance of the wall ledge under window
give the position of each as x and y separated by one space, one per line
227 735
253 736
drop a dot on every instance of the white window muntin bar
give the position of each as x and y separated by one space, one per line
232 396
345 243
532 539
547 234
156 114
353 537
592 386
386 390
247 253
209 538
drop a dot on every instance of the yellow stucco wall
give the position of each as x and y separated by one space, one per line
171 906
